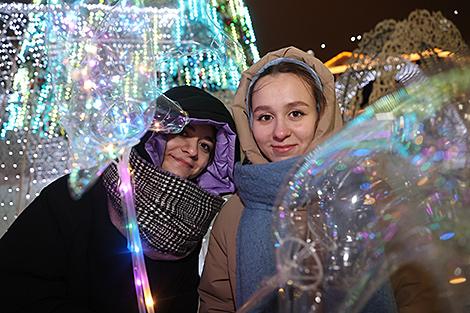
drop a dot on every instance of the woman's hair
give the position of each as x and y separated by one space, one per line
301 72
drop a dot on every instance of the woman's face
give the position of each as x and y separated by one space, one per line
284 116
188 153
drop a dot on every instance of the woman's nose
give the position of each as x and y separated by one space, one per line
190 147
281 131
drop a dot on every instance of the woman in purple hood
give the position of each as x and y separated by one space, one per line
65 255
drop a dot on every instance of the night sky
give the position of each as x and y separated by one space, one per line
309 23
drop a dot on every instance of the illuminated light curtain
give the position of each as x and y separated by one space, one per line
33 147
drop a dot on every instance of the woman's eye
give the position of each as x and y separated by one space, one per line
297 114
206 147
264 118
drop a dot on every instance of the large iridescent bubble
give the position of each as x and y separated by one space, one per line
389 193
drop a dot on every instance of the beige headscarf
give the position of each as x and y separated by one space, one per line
329 123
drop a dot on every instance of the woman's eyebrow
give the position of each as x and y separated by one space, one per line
192 129
211 139
290 104
261 108
297 103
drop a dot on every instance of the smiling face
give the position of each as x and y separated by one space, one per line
284 116
188 153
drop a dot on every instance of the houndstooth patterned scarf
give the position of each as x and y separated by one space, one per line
173 214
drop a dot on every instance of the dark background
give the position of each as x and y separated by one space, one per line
309 23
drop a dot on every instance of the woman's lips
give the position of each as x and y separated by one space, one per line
182 161
282 149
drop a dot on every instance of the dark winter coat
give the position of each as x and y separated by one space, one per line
65 256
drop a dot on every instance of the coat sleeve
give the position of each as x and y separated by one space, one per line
33 263
217 281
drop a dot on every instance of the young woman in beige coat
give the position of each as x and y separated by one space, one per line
284 107
291 109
